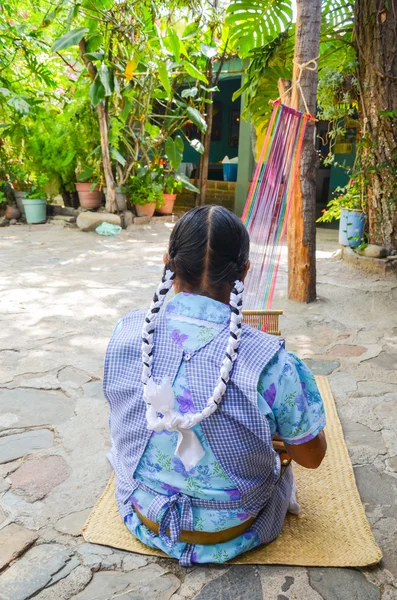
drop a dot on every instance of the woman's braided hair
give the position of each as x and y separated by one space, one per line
208 250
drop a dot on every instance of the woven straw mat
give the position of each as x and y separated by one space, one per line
331 531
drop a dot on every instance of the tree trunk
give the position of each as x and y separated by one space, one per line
205 157
104 134
376 41
302 220
107 163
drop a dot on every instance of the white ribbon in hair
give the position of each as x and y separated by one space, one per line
160 399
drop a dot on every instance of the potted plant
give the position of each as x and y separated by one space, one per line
145 191
348 208
35 204
171 186
90 194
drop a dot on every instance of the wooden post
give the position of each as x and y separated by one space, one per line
302 220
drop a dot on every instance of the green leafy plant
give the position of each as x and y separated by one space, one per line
138 58
171 185
145 187
348 197
253 24
262 32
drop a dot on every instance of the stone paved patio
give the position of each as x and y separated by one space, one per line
61 293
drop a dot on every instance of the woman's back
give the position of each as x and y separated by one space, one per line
208 464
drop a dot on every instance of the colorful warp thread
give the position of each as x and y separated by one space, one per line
267 207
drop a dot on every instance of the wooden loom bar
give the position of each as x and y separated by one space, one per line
266 320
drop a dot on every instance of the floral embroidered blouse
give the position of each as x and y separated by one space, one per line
287 395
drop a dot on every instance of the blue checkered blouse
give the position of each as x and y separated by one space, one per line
287 396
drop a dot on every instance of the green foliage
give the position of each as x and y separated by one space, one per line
171 185
349 197
70 38
186 183
197 118
254 23
174 151
267 65
145 187
268 45
194 72
135 61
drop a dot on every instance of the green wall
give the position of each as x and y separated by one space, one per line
339 177
220 149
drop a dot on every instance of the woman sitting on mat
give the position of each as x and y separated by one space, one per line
192 419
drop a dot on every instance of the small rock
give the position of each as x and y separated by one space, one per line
88 221
33 571
72 524
21 444
373 251
13 221
73 584
14 539
134 561
37 477
128 218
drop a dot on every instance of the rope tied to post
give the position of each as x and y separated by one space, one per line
310 65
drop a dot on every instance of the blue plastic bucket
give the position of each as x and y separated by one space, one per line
230 172
35 210
351 227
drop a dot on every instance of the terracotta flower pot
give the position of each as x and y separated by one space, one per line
145 210
88 198
168 207
12 212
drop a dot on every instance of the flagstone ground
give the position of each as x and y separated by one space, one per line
61 292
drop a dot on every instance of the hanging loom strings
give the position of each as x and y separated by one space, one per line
266 211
